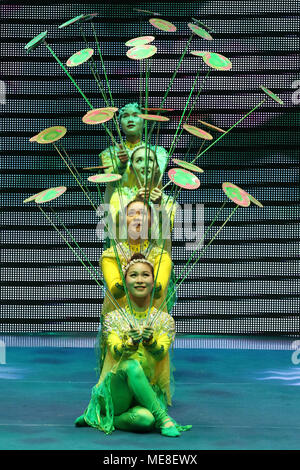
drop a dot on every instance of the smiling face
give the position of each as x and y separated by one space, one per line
131 124
138 220
139 280
139 163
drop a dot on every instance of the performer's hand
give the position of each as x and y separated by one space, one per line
142 191
122 154
135 336
156 195
147 334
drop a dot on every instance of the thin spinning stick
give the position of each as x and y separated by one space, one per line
202 252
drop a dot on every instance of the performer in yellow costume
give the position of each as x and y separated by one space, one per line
118 158
133 391
138 223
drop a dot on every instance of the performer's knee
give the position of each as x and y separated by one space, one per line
132 367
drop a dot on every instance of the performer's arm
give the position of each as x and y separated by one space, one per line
112 276
164 272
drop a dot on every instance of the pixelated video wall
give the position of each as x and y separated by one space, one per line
247 280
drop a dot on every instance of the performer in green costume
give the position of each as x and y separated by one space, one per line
133 391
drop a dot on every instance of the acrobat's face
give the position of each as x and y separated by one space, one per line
139 280
131 124
142 166
138 220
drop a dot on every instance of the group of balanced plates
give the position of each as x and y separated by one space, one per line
140 49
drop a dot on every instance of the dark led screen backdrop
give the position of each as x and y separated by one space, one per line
246 283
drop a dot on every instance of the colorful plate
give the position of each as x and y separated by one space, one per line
104 178
217 61
236 194
36 41
271 94
163 25
200 31
141 52
147 11
50 194
98 116
71 21
139 41
183 178
32 198
205 26
211 126
199 53
255 201
197 132
89 17
187 165
50 135
80 57
110 108
153 117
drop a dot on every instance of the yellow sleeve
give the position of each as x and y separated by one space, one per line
159 346
112 276
106 159
114 343
164 271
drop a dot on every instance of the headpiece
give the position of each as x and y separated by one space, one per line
135 261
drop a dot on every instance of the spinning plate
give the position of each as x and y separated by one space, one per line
50 194
271 94
109 108
197 132
36 41
88 17
205 26
98 116
51 134
104 178
71 21
183 178
163 25
200 31
199 53
148 12
187 165
141 52
236 194
217 61
139 41
32 198
153 117
80 57
211 126
255 201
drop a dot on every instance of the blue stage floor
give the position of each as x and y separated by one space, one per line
237 392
